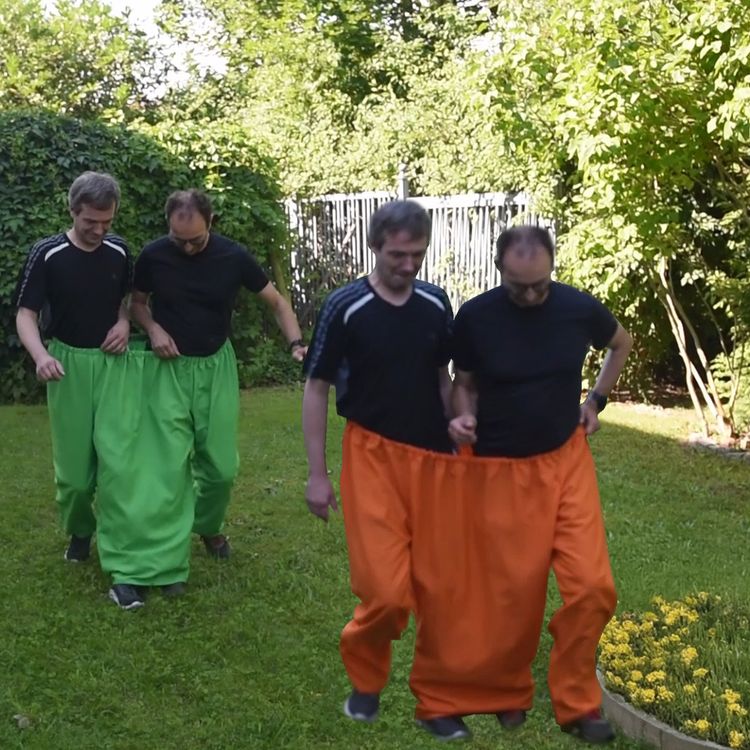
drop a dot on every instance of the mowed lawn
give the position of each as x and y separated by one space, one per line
248 658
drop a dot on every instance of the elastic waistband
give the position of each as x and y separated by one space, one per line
464 454
88 351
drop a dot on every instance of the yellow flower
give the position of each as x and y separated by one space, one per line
702 726
656 676
712 632
736 708
631 687
688 655
650 617
700 672
689 689
736 739
674 638
731 696
663 694
658 662
636 676
646 695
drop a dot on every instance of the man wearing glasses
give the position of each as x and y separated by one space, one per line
191 278
518 351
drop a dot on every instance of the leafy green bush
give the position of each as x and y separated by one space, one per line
41 154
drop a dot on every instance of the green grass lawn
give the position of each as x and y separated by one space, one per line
249 658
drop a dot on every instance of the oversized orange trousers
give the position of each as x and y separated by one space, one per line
467 545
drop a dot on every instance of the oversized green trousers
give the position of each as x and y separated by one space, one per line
81 416
165 457
176 466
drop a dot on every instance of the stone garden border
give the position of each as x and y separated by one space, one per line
639 726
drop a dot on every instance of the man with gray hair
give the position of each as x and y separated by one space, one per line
384 341
72 289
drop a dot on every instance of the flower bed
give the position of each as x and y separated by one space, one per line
687 663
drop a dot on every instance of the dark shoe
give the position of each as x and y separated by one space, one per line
446 728
592 727
362 706
217 546
79 549
173 589
126 596
511 719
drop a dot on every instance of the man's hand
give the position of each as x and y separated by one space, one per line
589 417
162 344
116 340
48 368
320 496
463 429
298 353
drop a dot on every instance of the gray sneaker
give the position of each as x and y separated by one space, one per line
78 549
217 546
362 706
446 728
127 596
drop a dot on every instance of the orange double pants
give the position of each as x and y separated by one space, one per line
467 544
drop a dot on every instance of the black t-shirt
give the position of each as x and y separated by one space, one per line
527 363
78 293
192 296
384 360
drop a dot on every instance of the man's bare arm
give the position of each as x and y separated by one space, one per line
27 325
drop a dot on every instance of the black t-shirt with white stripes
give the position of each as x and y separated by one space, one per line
384 360
77 292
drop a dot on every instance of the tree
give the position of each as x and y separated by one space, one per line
77 59
640 111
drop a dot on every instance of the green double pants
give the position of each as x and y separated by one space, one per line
206 421
156 442
173 466
81 415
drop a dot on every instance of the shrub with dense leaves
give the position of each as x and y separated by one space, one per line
41 154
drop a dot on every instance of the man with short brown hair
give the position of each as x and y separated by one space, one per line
185 285
72 288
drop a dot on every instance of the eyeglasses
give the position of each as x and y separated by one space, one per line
519 290
198 241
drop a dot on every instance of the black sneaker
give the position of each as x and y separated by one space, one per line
362 706
217 546
79 549
446 728
592 727
126 596
173 589
511 719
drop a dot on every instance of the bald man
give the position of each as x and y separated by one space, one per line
518 351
